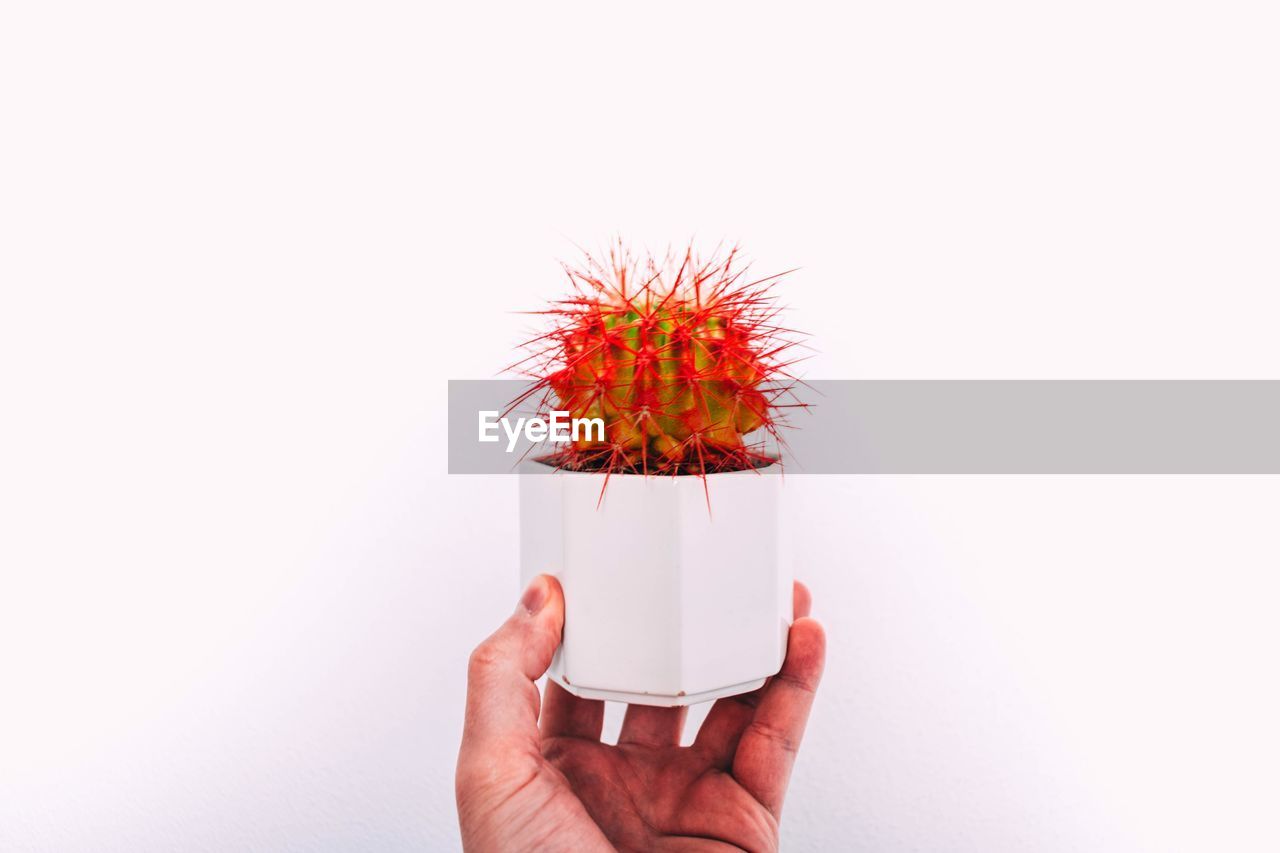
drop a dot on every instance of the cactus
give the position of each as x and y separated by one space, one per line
680 358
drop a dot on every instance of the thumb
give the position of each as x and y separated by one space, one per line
502 698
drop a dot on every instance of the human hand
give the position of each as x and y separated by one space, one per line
554 786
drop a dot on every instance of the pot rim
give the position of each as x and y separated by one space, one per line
773 468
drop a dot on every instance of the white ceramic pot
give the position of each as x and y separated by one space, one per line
666 603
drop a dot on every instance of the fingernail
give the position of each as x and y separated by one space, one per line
535 596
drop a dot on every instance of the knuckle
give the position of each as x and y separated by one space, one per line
485 658
776 736
798 681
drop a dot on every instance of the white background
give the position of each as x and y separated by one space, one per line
243 245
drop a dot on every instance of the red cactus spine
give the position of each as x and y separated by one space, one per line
680 358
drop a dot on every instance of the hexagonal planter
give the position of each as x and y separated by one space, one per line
667 603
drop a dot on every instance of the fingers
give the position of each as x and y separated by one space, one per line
649 726
566 715
767 749
801 600
724 724
728 717
502 699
